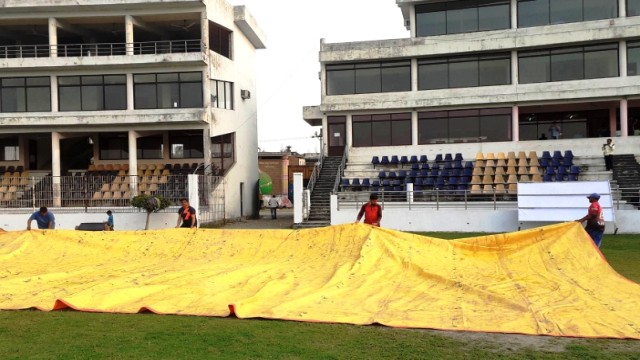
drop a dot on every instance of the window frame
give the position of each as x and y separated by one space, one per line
216 99
450 6
186 138
456 59
549 14
102 85
388 119
25 91
380 66
447 115
157 84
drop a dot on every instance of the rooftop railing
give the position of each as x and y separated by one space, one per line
102 49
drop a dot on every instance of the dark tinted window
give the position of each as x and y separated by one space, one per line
364 78
381 130
222 153
433 75
9 149
633 58
494 71
25 94
534 68
545 12
168 90
150 147
92 93
361 131
487 125
186 144
565 11
220 39
222 94
464 71
600 9
633 7
566 65
114 146
464 16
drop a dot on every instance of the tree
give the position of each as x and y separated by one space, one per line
151 204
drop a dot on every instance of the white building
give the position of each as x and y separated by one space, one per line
481 76
97 84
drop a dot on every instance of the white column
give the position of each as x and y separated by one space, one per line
53 37
514 68
193 191
515 123
133 162
412 21
130 98
55 105
514 14
298 188
410 193
624 118
613 117
623 58
414 128
414 74
128 28
348 132
622 8
55 168
325 136
206 138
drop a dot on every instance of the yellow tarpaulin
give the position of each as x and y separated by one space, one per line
549 280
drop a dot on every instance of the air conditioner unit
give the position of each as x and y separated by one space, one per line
245 94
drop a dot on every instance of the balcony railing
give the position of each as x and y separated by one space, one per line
102 49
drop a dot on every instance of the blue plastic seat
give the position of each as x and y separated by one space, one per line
453 181
557 154
404 160
430 181
559 177
345 184
445 173
384 161
402 174
448 165
468 165
375 183
425 166
423 159
575 170
394 160
546 155
413 159
382 175
562 171
434 173
458 157
375 161
550 171
417 182
439 183
467 172
547 178
465 180
457 164
392 175
424 173
455 172
555 162
413 174
448 158
438 158
544 162
572 177
366 183
355 184
568 153
415 166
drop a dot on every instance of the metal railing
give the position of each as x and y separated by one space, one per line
315 174
102 49
92 193
343 163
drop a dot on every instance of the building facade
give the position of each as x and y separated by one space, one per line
487 75
131 84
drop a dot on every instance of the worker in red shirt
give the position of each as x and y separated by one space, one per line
594 219
372 211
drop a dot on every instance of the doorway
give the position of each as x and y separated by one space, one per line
337 135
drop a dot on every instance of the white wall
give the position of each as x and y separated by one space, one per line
123 221
471 220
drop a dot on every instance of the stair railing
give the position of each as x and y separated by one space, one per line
340 172
315 174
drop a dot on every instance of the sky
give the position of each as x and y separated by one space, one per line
287 70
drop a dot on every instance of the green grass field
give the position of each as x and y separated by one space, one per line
74 335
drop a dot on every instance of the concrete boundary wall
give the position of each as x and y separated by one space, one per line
471 220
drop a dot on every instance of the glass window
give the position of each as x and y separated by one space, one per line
495 71
168 90
463 74
222 94
220 39
115 96
401 132
114 146
633 7
464 126
462 17
361 131
565 11
368 79
222 153
495 128
533 13
566 66
601 64
493 15
431 23
89 93
9 149
600 9
150 147
433 76
70 98
25 94
187 144
464 129
633 59
381 133
362 78
432 131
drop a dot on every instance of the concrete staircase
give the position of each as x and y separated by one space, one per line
626 172
320 211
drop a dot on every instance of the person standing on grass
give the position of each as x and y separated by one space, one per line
607 151
43 218
372 211
187 215
594 219
273 205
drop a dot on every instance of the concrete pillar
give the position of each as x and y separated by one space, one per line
414 128
133 162
55 168
414 75
622 58
514 68
204 31
622 8
130 98
514 14
323 76
206 142
349 132
55 104
298 205
53 37
515 123
412 22
613 117
410 193
128 27
624 118
193 191
325 136
284 176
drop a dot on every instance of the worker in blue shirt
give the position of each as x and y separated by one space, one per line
43 218
108 225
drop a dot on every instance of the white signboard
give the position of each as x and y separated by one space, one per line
562 201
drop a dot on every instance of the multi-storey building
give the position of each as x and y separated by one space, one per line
487 75
92 84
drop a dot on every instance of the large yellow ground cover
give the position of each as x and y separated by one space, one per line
549 280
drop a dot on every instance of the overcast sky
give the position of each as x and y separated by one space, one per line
288 68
